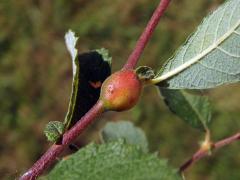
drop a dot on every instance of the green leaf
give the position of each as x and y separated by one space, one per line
211 57
71 41
193 109
112 161
124 130
54 130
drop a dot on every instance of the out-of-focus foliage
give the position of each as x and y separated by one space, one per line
125 130
36 75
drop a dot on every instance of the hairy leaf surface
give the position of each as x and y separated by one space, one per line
113 161
211 56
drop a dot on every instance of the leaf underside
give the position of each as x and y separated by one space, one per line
193 109
124 130
211 56
112 161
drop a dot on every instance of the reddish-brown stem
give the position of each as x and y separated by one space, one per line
202 153
146 35
55 150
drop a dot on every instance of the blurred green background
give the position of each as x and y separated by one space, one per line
35 78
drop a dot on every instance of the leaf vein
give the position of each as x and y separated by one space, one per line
228 53
217 29
218 70
238 33
197 57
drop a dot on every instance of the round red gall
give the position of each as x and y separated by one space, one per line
121 90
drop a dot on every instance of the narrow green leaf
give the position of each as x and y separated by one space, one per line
124 130
193 109
71 41
211 57
112 161
54 130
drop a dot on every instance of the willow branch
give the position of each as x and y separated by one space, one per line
202 153
55 150
146 35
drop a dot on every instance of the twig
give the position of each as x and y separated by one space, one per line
146 35
202 153
54 151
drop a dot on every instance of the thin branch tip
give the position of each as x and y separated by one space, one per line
203 153
146 35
